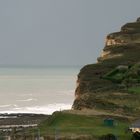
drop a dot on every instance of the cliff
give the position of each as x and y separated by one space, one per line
110 84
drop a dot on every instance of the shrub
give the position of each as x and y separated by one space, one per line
108 137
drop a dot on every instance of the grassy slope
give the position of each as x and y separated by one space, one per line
130 75
134 90
70 124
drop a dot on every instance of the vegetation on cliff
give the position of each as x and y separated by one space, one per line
112 84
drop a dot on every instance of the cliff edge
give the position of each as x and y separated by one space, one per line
113 83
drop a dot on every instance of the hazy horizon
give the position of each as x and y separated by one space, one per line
59 32
37 90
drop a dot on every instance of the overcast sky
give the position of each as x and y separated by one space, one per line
59 32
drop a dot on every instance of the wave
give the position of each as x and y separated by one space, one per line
27 100
48 109
27 94
9 105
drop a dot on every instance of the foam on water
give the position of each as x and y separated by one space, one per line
48 109
37 90
27 100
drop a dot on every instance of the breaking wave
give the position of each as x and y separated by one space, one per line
48 109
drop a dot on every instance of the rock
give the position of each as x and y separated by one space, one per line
122 50
138 19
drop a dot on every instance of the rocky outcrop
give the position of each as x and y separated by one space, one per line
122 49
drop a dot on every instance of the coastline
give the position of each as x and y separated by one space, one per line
16 120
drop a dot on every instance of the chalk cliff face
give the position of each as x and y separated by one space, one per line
121 49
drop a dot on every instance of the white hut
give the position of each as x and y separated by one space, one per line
135 127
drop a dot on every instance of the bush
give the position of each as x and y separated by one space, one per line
108 137
136 136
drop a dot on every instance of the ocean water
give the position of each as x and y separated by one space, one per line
37 90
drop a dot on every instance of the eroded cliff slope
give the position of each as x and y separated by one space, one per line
107 85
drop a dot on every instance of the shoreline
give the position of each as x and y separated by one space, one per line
24 120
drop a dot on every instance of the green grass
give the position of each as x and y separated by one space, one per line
134 90
68 124
115 76
129 76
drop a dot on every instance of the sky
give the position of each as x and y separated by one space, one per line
59 32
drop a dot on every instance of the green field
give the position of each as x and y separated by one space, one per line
67 124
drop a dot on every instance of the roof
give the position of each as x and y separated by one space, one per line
109 119
136 124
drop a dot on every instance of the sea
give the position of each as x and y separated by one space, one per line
40 90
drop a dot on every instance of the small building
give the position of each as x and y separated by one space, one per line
109 122
135 127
